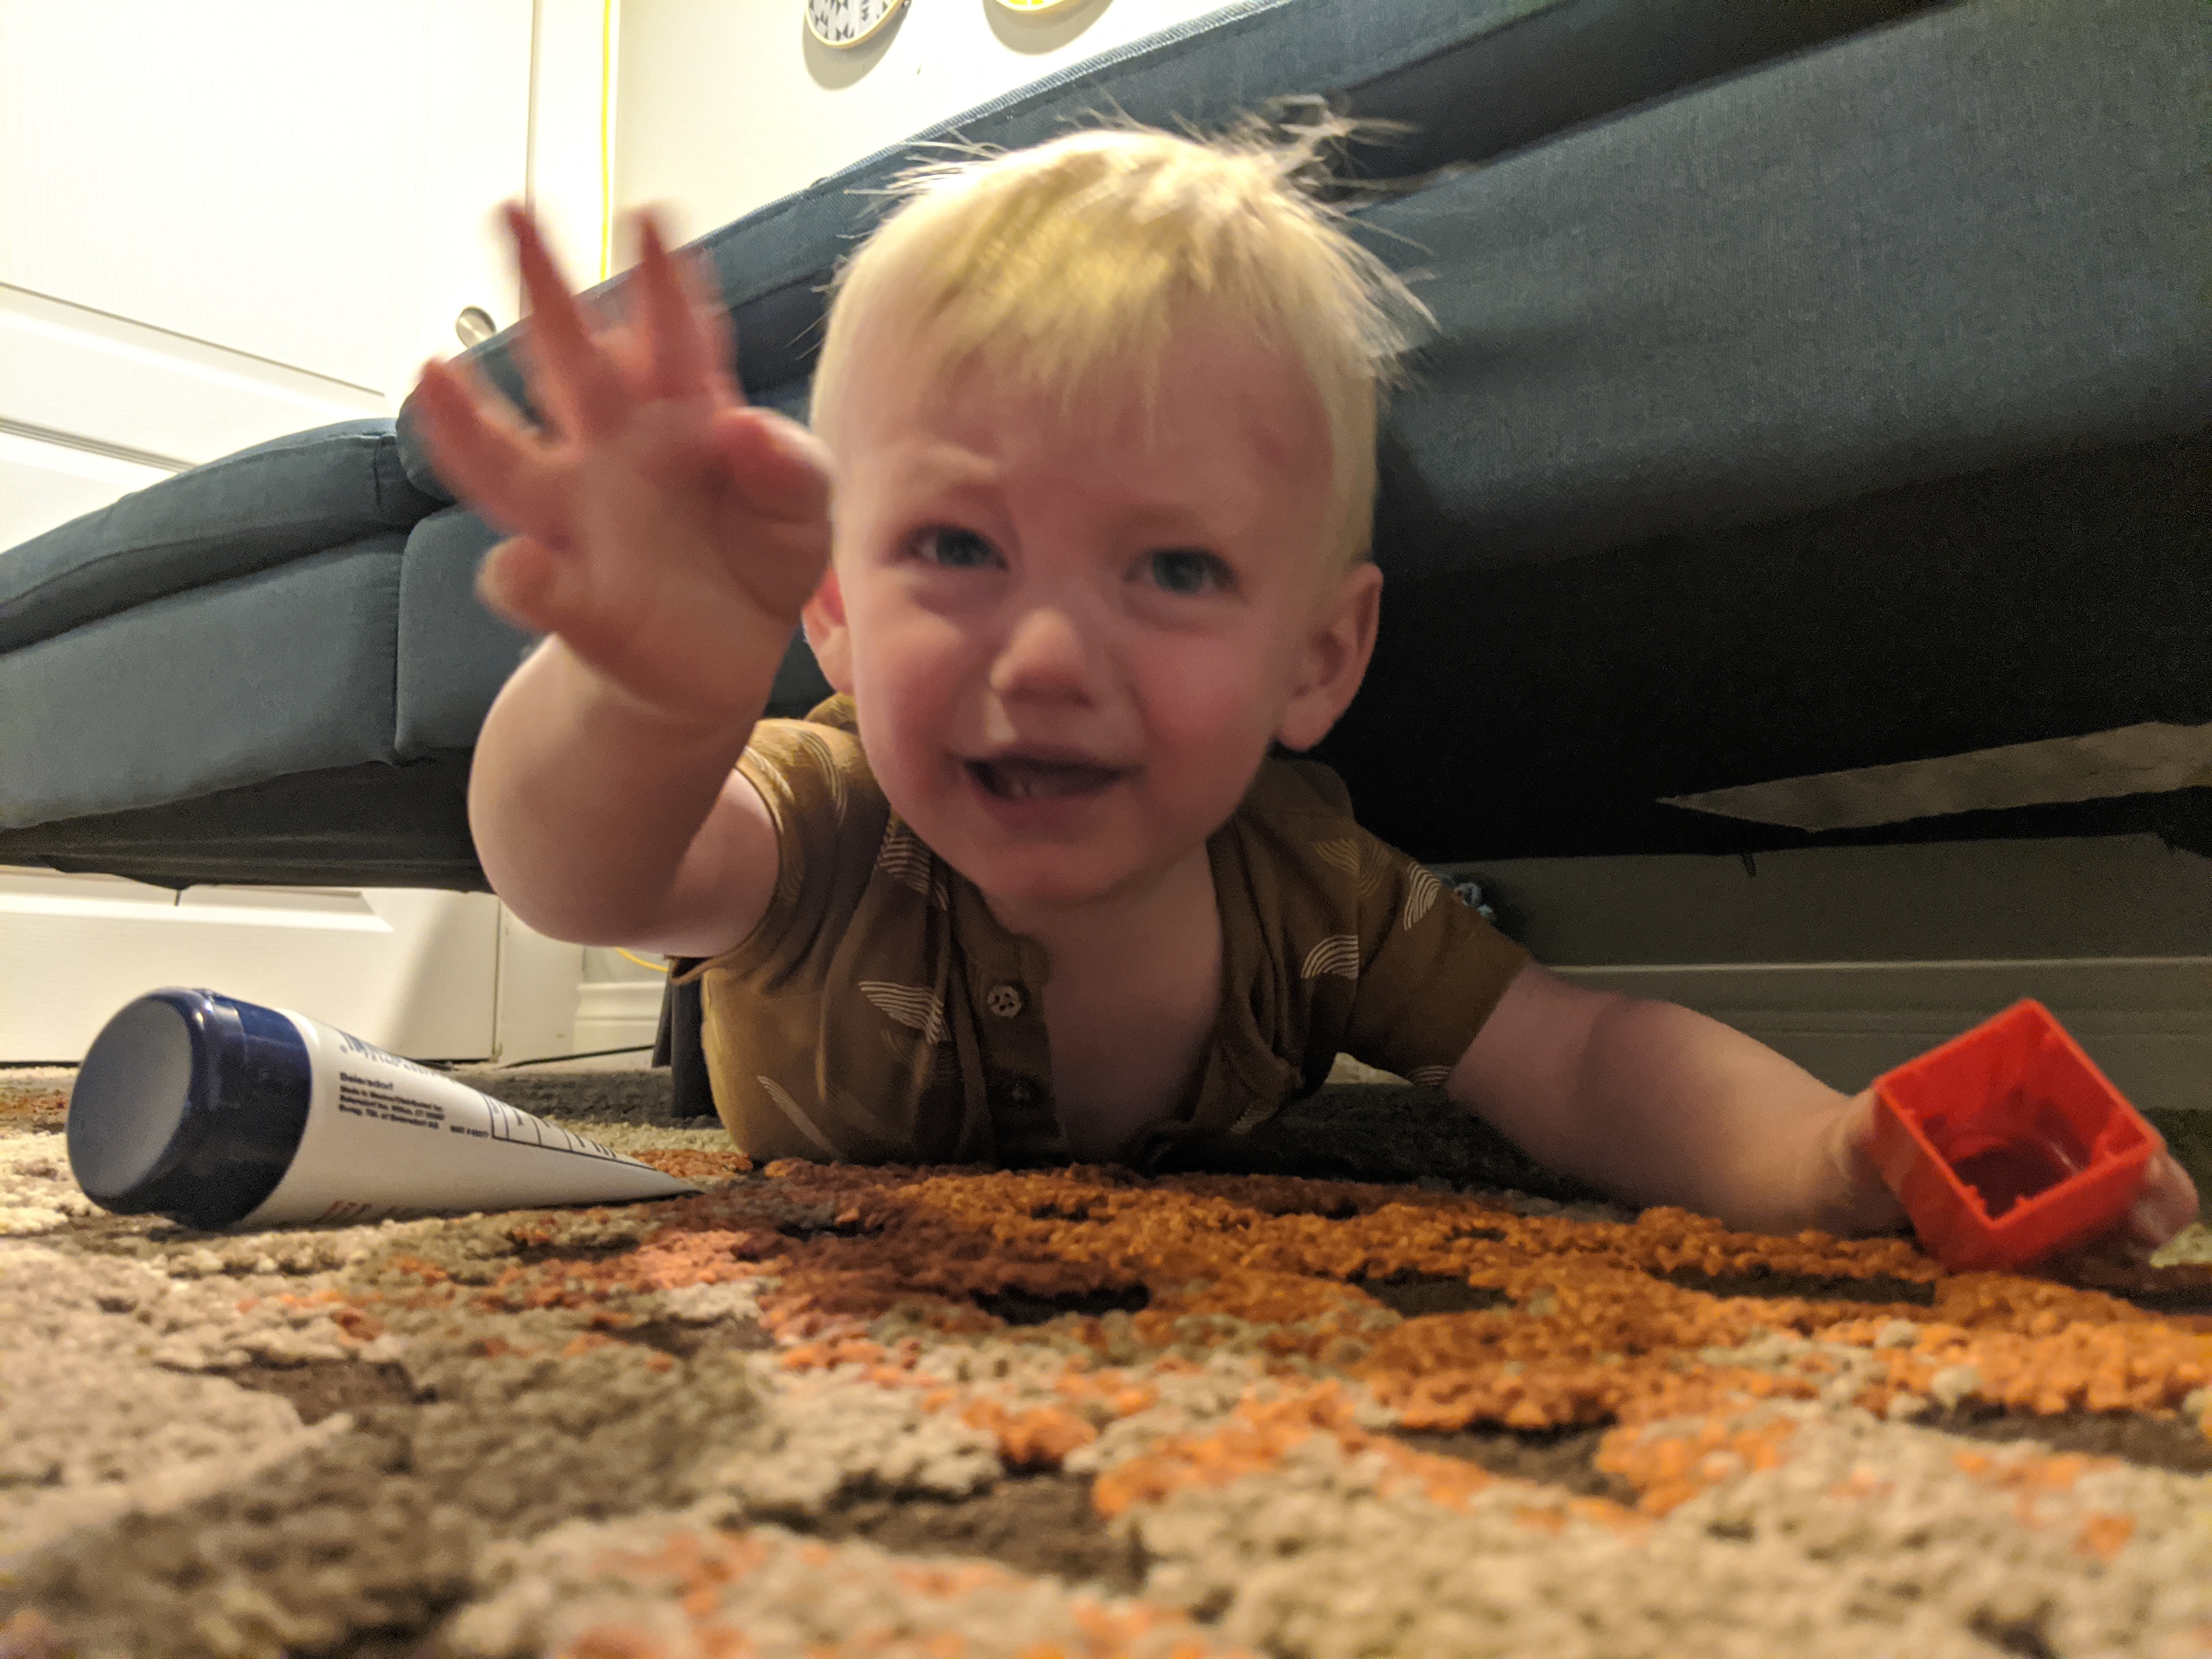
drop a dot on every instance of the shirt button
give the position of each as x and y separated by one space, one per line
1004 1000
1020 1094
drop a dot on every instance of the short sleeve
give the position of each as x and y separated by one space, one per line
829 818
1432 967
1353 947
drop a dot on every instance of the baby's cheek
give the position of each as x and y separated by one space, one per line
889 744
1217 708
1217 751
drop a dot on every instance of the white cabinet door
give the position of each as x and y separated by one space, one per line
220 223
223 222
412 971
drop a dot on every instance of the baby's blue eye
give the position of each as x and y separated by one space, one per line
1185 570
954 549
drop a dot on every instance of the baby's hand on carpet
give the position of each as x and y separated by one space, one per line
2165 1203
665 530
1848 1192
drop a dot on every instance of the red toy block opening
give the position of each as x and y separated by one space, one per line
2015 1108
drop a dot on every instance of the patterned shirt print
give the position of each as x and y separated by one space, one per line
879 1013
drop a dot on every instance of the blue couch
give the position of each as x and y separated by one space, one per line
1817 385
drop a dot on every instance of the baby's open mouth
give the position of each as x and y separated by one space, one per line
1012 778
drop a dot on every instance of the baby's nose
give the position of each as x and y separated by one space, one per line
1049 651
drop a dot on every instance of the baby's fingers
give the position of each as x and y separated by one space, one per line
2166 1203
780 468
577 385
714 324
683 343
484 453
530 583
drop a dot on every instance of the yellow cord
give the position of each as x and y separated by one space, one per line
606 145
657 967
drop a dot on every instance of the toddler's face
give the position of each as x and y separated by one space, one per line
1070 638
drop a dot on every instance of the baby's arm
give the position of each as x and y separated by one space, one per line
600 826
664 535
1662 1105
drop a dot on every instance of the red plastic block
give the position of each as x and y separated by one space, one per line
2006 1144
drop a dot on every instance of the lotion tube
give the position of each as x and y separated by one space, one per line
219 1113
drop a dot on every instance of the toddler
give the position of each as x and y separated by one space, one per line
1080 536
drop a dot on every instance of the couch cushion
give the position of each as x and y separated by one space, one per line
295 495
1473 80
1936 248
454 655
277 672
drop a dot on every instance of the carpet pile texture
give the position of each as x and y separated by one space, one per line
1384 1390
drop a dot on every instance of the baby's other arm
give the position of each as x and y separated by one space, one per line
665 534
1657 1104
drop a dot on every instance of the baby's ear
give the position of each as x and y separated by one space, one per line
1339 642
827 635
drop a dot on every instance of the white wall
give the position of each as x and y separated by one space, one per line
571 132
725 105
304 185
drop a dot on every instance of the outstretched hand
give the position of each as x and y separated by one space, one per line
2165 1203
665 530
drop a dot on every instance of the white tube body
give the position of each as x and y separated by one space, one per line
386 1138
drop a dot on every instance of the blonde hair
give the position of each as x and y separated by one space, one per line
1070 265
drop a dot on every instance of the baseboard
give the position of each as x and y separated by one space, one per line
616 1013
1853 959
2146 1022
410 970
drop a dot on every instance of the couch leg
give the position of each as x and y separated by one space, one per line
676 1046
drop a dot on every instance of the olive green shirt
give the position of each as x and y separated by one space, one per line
879 1013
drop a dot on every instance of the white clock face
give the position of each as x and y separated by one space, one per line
848 22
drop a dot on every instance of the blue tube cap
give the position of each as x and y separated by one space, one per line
189 1104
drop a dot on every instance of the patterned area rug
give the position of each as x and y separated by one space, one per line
1362 1397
